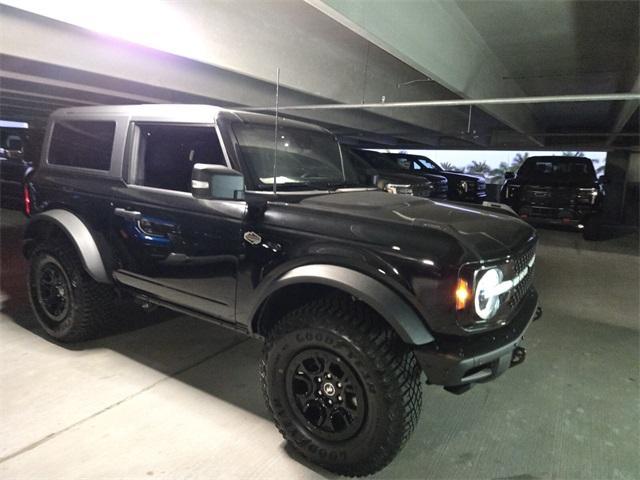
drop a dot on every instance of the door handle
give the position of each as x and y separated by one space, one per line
127 214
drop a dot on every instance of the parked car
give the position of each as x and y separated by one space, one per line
395 182
555 189
356 292
462 186
395 173
13 169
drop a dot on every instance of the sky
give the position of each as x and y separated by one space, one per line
462 158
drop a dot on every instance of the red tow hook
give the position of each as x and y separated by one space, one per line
538 314
518 356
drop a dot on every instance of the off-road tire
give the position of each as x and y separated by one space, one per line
388 369
91 303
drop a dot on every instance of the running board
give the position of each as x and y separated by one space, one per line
143 298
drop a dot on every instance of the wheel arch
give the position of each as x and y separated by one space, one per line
48 223
308 281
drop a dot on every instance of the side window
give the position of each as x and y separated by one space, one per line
425 164
167 154
83 144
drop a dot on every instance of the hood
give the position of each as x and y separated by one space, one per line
455 176
484 234
402 178
435 178
412 177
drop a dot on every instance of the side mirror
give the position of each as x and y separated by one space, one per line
604 180
14 143
215 182
509 175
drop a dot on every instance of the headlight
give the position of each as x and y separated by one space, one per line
487 296
399 189
588 195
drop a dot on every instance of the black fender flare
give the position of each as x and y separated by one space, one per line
78 233
396 311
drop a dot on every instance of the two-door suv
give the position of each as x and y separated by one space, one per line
262 227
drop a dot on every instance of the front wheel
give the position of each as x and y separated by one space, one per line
342 387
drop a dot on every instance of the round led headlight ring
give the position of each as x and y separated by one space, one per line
486 304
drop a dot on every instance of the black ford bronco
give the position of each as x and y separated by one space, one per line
355 291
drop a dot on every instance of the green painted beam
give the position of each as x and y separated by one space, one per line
437 39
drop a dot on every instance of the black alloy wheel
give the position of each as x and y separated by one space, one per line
326 394
53 290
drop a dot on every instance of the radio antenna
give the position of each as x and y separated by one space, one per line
275 149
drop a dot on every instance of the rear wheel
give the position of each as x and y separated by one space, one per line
67 302
342 387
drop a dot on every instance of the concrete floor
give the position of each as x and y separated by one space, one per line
172 397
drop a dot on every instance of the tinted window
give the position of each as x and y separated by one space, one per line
85 144
404 163
167 154
306 159
426 163
558 166
381 161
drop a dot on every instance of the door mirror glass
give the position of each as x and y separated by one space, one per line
509 175
14 143
216 182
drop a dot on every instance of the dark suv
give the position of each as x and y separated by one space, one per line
555 189
394 180
355 291
462 186
386 168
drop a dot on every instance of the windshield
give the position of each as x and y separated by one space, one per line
382 162
307 159
557 167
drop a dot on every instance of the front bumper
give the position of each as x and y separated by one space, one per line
462 361
574 215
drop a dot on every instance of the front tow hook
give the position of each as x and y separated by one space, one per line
538 314
518 356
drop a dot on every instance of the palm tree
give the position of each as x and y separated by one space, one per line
518 160
478 168
573 154
449 167
497 174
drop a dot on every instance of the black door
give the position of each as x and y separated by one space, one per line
175 247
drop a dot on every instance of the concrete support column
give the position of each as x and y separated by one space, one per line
623 172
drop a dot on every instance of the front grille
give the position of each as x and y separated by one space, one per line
519 264
547 196
421 190
547 212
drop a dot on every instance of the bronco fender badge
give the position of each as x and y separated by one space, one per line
253 238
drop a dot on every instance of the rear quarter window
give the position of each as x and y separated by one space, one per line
82 144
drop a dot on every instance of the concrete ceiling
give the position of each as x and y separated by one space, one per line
337 51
